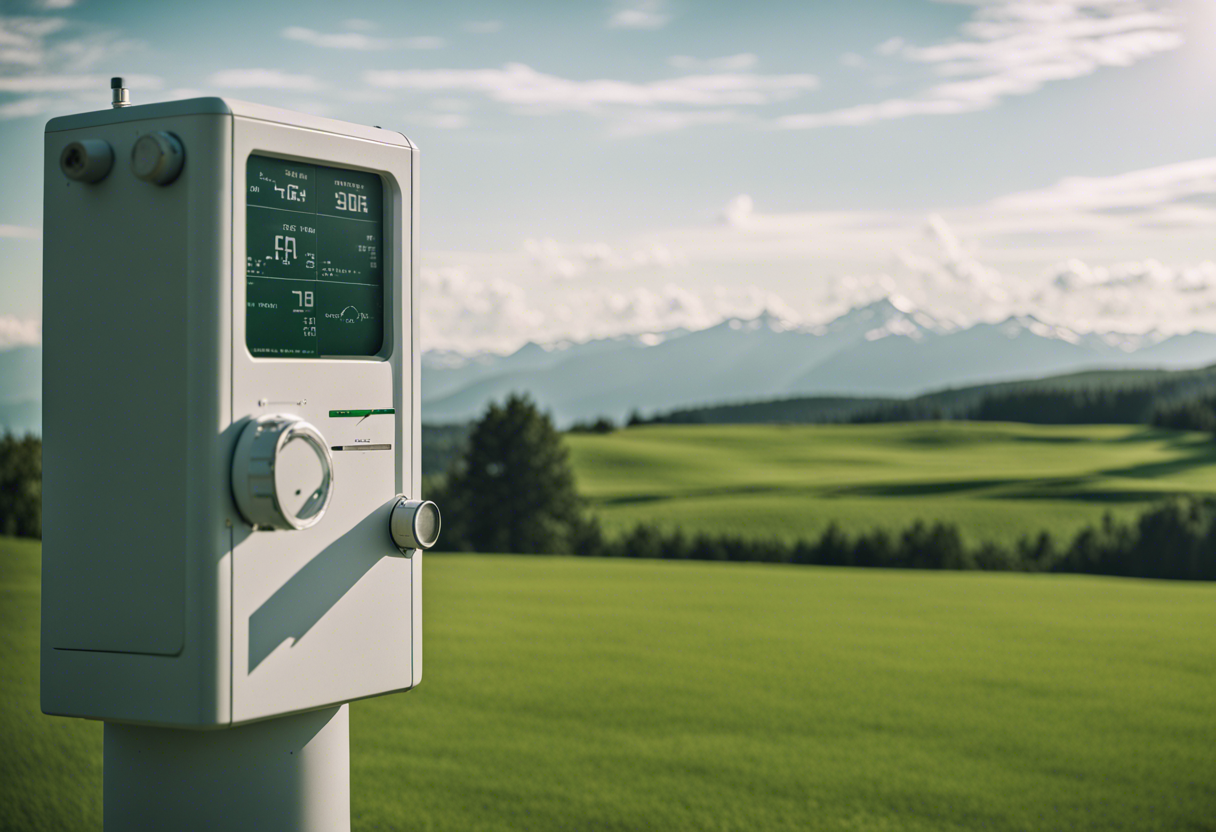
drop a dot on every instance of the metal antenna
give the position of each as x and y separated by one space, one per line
121 96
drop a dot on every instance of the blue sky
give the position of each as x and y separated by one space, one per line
596 168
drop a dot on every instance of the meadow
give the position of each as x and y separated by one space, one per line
563 693
996 481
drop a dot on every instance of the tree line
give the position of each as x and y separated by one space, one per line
1176 540
20 485
1183 400
510 488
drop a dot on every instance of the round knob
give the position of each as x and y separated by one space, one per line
414 524
282 473
157 157
87 160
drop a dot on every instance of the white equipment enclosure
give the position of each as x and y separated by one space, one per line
232 439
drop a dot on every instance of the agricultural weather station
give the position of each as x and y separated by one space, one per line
233 528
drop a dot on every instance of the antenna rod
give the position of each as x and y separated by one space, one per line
121 95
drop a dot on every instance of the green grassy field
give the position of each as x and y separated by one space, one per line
624 695
996 481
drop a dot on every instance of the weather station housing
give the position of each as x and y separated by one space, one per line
233 526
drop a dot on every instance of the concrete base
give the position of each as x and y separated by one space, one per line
290 774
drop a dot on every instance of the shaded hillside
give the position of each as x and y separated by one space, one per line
1096 397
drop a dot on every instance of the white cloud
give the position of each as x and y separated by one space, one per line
519 84
1015 47
47 60
358 40
554 259
1132 296
727 63
482 27
469 314
258 78
642 122
465 314
648 14
19 332
25 107
72 83
953 267
890 46
1190 186
20 232
738 212
1089 254
440 121
1077 275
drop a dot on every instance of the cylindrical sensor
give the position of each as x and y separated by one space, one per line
414 524
87 160
157 157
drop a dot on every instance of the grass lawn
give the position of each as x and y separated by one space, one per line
996 481
612 695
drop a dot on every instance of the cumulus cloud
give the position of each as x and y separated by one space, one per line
554 259
1075 275
1019 255
19 332
1131 296
1015 47
649 14
738 212
467 314
357 39
952 269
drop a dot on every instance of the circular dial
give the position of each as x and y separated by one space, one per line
282 473
157 157
414 524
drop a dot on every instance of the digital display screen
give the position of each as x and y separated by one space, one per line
314 263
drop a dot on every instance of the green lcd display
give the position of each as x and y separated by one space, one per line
314 247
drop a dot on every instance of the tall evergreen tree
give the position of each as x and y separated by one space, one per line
20 485
512 490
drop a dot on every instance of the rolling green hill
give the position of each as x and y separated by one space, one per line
996 481
617 695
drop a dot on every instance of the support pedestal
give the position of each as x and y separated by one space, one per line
290 774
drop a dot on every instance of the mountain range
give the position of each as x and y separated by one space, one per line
885 349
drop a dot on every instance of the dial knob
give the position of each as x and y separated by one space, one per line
157 157
282 473
414 524
87 160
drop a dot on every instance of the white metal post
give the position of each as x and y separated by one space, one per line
290 774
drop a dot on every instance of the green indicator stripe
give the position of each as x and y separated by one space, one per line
359 413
